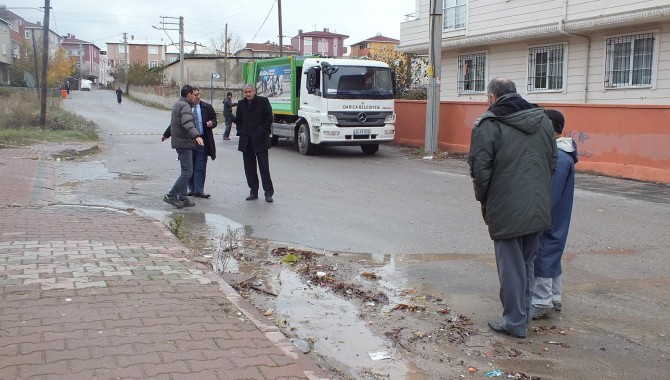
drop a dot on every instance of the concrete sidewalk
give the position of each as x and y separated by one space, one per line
98 293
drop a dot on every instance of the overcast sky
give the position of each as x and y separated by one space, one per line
102 21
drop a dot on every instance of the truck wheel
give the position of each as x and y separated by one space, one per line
305 145
274 140
370 149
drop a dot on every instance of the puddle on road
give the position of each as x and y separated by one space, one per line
316 313
341 333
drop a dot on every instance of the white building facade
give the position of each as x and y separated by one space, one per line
567 51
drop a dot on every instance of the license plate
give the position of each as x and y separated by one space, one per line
362 131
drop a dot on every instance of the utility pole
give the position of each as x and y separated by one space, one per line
434 60
225 58
45 64
281 36
181 41
181 50
125 68
81 62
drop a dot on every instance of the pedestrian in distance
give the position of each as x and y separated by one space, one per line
119 95
254 125
205 120
185 136
228 114
548 281
512 158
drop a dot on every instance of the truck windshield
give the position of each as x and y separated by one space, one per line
359 82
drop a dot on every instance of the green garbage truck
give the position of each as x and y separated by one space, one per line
327 101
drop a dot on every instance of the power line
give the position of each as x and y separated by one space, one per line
266 18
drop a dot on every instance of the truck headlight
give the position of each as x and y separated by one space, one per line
390 118
332 118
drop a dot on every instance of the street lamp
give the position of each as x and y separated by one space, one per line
211 86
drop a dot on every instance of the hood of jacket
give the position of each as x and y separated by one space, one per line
567 145
516 112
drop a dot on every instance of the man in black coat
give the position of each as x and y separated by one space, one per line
205 120
254 125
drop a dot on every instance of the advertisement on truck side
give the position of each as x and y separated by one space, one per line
275 84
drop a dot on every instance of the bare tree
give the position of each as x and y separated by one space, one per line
217 44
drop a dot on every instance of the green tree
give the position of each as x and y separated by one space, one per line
24 63
142 75
60 68
400 62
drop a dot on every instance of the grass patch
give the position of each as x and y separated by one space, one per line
147 103
20 121
420 153
178 228
17 137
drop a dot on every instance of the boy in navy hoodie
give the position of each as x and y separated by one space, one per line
547 284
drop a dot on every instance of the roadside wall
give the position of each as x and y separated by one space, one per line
620 141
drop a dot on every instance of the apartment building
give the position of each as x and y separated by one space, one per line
16 30
265 50
33 33
324 42
557 51
150 53
363 48
607 68
5 51
86 57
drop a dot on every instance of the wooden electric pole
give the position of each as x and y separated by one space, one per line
225 58
125 67
281 37
45 64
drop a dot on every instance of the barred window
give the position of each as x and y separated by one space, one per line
629 60
453 14
472 73
545 68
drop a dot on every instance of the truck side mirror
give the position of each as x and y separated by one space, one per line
313 81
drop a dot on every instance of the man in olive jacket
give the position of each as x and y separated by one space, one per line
184 138
512 158
254 125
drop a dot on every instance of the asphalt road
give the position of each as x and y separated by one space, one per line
420 219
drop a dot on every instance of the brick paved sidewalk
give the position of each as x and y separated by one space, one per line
95 293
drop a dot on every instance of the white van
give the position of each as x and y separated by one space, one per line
86 85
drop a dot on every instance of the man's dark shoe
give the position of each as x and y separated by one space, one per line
201 195
186 202
190 193
268 198
558 306
171 199
497 327
251 197
226 138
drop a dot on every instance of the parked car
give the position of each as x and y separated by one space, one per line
86 85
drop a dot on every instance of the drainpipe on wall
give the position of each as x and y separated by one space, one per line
561 28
